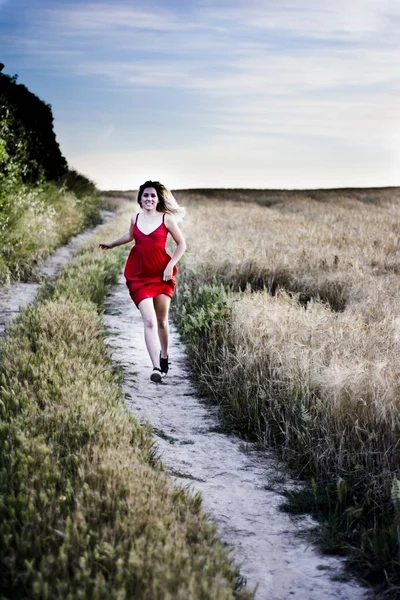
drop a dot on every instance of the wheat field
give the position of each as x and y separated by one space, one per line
306 356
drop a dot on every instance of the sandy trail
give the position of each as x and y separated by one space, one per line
231 476
18 295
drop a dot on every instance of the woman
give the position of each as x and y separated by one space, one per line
150 271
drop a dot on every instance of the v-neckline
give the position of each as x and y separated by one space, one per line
150 232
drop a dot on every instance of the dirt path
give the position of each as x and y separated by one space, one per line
18 295
232 477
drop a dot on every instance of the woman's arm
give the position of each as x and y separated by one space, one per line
176 233
125 239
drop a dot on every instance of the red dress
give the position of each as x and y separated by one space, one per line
146 263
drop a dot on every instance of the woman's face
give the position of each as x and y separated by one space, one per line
149 199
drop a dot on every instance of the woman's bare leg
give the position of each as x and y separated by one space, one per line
151 338
161 306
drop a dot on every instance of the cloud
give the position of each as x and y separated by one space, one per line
92 17
318 19
275 77
335 94
221 48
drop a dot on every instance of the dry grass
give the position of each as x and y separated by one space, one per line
324 249
114 200
307 356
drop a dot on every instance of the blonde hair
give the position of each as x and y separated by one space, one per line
167 203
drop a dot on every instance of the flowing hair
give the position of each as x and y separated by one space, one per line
167 203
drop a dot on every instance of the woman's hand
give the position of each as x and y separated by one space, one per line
168 272
105 245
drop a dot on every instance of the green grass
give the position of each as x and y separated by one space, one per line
35 220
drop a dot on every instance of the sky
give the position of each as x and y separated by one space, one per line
215 93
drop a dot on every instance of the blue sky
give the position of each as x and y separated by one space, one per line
215 93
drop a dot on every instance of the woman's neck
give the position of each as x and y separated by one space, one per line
149 214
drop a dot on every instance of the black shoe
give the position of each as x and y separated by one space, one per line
164 364
156 375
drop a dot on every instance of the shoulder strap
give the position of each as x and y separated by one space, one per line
137 214
163 217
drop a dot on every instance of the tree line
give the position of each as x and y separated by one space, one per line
29 152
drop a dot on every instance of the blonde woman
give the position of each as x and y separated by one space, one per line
149 270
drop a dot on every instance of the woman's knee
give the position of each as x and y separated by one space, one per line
149 322
162 323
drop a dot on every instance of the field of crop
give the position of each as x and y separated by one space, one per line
289 303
